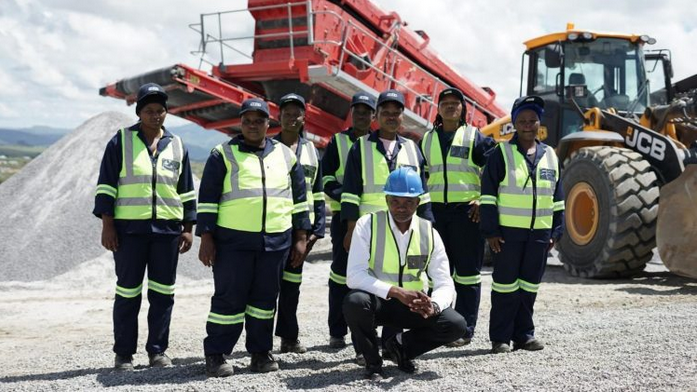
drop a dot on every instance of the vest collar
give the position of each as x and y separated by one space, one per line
540 148
239 141
373 137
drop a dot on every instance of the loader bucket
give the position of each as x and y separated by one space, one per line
676 230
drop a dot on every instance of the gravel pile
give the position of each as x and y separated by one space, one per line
47 223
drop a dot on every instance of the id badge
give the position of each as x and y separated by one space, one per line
417 262
459 151
309 171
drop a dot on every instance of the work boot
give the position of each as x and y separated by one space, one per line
459 342
263 363
398 355
386 356
159 360
500 348
337 342
123 363
373 373
217 366
292 346
531 345
360 360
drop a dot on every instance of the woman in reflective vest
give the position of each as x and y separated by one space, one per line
455 152
292 112
522 217
253 216
145 197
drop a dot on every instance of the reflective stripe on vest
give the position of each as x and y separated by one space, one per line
255 188
375 172
385 258
147 189
459 176
310 163
517 191
343 146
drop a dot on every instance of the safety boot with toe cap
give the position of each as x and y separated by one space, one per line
360 360
337 342
459 342
217 366
123 363
159 360
373 373
292 346
263 363
396 350
500 348
531 345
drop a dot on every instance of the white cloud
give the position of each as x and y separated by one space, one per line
55 54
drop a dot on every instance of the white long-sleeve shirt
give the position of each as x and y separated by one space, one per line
358 275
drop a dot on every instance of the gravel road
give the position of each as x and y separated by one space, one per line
637 334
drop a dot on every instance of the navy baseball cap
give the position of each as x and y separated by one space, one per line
451 91
292 98
363 98
151 93
254 104
531 102
391 96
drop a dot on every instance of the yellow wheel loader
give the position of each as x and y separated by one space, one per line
625 134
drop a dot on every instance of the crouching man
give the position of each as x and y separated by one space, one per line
391 254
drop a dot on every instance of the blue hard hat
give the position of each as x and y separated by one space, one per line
404 182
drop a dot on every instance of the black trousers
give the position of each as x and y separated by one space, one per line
246 289
337 278
288 298
159 253
364 311
511 312
464 246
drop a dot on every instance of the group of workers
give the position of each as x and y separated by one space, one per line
408 228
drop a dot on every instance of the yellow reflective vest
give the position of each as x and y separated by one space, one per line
257 192
147 188
386 263
374 171
309 159
343 145
522 202
457 180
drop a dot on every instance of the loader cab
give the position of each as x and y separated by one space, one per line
594 70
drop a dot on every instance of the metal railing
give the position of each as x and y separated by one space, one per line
393 55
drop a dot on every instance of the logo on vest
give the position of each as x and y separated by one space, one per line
170 165
548 174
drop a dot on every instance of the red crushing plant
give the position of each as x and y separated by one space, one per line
324 50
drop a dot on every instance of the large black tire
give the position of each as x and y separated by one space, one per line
626 196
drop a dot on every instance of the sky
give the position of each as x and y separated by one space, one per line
56 54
